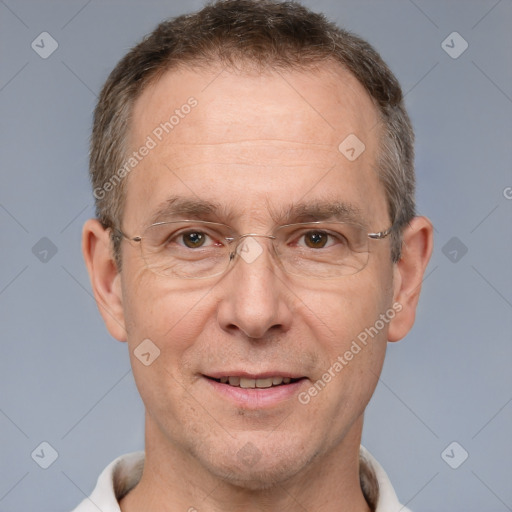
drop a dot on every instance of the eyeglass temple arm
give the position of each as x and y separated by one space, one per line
117 233
380 234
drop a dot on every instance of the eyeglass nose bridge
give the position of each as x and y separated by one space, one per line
238 240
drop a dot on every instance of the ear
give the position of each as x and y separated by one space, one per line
104 276
408 275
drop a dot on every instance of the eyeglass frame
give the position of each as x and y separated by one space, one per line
379 235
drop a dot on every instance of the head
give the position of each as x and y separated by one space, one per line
243 109
260 35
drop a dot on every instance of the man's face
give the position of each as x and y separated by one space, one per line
255 145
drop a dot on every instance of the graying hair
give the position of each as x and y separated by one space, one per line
268 34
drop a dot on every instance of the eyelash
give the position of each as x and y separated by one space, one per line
178 237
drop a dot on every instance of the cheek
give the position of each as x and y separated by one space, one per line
351 338
342 310
173 320
171 315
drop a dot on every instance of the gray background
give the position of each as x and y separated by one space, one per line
64 381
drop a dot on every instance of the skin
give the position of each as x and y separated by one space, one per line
255 143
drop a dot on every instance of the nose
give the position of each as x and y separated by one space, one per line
256 298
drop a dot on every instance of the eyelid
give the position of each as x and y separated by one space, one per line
208 231
223 232
332 236
322 225
305 227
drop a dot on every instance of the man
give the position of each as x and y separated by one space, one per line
257 247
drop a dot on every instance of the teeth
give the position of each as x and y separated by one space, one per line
247 383
264 383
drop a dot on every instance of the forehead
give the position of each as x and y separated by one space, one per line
254 141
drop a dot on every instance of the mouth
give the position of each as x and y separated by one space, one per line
255 382
256 391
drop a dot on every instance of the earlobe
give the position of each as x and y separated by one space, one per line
409 273
105 279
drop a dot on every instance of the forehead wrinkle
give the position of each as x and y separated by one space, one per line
310 211
234 152
248 142
199 166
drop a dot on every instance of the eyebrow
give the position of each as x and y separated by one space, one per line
178 206
325 210
199 209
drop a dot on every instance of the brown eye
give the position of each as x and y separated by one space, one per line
316 239
193 239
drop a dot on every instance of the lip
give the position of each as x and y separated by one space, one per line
246 375
255 398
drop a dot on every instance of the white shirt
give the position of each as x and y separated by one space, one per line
123 474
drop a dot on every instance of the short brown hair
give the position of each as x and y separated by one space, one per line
267 33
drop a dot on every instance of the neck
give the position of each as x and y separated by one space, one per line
175 480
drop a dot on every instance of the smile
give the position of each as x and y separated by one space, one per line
260 383
256 391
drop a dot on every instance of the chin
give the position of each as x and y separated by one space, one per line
255 470
261 479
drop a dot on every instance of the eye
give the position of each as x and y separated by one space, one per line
316 239
193 239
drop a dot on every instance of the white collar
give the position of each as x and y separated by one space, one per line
123 474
